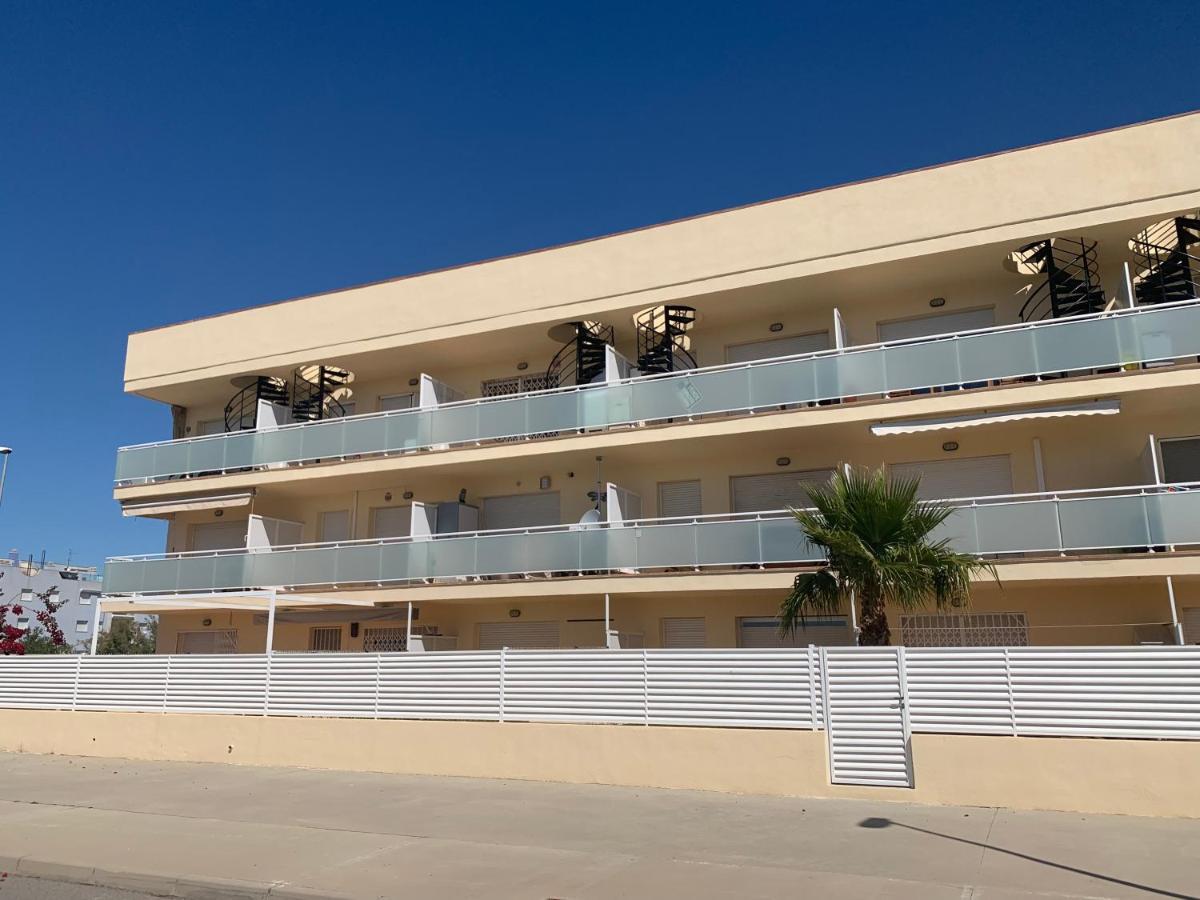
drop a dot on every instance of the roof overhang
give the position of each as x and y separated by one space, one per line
1106 407
252 600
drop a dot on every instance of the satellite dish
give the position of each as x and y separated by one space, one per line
590 519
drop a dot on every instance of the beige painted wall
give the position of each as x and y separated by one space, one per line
1143 171
1147 778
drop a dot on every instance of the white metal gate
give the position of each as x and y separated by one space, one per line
866 716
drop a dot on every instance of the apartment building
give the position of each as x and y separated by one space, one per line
596 444
77 588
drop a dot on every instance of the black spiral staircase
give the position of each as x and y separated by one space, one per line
1072 282
1167 256
581 360
318 391
241 413
663 343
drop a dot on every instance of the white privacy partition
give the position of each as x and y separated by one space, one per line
264 532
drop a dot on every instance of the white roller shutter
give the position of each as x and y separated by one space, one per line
521 511
518 635
684 632
678 498
391 521
1180 460
335 525
1189 618
786 346
945 323
943 479
824 631
779 490
219 535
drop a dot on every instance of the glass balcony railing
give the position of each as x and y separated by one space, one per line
1086 521
969 359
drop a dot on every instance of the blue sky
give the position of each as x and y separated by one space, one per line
160 161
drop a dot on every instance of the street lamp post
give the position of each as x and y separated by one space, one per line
4 451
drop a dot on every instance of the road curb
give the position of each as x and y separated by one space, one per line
188 888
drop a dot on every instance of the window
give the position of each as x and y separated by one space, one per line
26 595
23 621
518 384
678 498
779 490
763 631
520 635
219 535
945 479
1180 459
1008 629
219 641
391 521
682 633
776 347
81 626
86 597
325 639
384 640
1189 619
521 511
388 402
940 323
335 525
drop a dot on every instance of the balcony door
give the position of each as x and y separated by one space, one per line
944 479
521 511
940 323
777 490
209 536
518 635
776 347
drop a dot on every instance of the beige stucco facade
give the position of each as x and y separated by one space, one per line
920 244
1129 777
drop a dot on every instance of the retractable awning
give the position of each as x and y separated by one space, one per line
168 508
1108 407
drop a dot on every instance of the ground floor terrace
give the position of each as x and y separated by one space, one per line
1150 599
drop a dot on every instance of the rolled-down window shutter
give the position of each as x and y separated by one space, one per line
779 490
684 632
945 479
521 511
678 498
518 635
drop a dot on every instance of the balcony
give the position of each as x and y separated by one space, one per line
1095 521
1123 339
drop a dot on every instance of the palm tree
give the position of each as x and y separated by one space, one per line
876 535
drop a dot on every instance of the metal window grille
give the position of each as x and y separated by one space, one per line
384 640
1006 629
223 640
325 639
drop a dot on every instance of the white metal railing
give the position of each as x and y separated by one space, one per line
1090 520
1129 692
1113 338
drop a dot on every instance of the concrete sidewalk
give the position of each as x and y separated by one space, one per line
206 830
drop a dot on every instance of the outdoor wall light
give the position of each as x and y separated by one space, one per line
413 382
783 461
950 446
206 622
937 301
388 497
407 495
522 366
544 482
219 513
777 326
514 614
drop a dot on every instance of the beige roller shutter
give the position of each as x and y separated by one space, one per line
219 535
945 323
684 632
824 631
678 498
786 346
335 525
518 635
944 479
391 521
219 641
779 490
521 511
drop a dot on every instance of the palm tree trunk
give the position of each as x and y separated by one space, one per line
873 630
